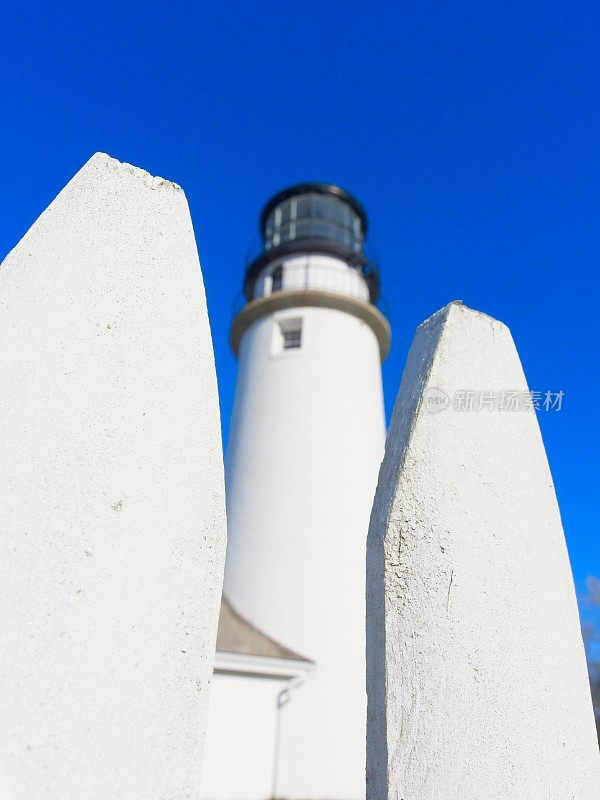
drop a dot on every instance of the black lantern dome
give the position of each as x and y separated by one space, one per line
314 218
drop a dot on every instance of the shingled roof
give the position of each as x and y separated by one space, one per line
237 635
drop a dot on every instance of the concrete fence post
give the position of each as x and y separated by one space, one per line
112 522
476 674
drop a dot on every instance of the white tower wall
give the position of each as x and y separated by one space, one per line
315 271
305 445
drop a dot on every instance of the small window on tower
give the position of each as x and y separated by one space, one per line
287 335
292 339
277 279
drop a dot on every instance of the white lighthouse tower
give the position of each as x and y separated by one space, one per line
306 441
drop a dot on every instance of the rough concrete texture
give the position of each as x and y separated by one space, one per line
476 672
112 532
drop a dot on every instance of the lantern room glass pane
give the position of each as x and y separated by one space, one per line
313 216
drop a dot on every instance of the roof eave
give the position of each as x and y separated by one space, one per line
261 666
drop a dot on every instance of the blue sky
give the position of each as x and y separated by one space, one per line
470 132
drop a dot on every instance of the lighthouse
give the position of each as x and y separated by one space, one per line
306 441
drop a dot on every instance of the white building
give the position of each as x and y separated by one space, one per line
306 441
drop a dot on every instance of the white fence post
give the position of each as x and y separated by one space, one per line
476 670
112 523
